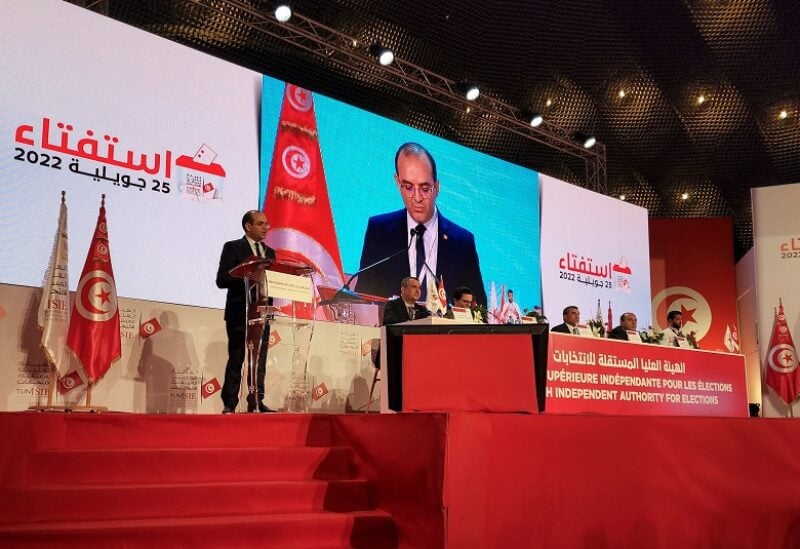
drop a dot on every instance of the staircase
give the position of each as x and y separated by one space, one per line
194 481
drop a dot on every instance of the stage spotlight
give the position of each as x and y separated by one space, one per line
533 118
684 196
622 197
385 55
783 115
282 11
470 90
588 141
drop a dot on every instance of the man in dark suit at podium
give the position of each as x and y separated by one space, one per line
572 317
440 245
234 252
405 307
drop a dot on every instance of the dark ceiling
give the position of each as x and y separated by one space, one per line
740 55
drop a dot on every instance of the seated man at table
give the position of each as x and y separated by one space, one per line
405 307
626 322
673 331
572 317
462 297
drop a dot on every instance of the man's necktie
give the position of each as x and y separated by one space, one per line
259 249
576 331
420 247
411 313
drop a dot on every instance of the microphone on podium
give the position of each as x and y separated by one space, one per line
346 294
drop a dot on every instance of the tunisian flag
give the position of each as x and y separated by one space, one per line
781 360
692 272
297 203
94 336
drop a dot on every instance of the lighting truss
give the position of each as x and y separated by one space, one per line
345 51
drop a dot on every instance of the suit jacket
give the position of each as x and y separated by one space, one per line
233 253
618 333
561 328
457 258
395 311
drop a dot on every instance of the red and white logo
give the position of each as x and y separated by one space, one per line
319 391
299 98
96 296
296 162
208 187
782 358
210 387
149 328
274 338
694 308
69 382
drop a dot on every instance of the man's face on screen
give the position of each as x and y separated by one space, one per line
415 181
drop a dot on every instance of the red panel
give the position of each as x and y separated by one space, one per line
475 372
612 481
618 377
692 270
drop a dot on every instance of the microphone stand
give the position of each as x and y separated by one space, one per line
346 294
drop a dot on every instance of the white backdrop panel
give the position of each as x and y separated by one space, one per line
109 84
593 247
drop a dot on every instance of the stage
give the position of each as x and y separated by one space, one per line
408 480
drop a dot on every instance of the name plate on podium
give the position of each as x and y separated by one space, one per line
288 286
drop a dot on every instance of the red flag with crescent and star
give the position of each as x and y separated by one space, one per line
94 336
781 360
297 203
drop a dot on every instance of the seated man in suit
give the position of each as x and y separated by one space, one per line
572 317
439 246
626 322
405 307
462 297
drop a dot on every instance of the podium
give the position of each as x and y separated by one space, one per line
264 280
436 364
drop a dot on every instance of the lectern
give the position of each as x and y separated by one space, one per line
438 365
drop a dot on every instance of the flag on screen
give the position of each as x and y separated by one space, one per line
69 382
152 326
297 203
319 391
274 339
54 306
210 387
94 335
781 360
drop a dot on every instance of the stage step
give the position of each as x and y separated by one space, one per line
116 480
177 465
57 503
114 430
368 529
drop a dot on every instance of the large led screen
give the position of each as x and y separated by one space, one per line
480 198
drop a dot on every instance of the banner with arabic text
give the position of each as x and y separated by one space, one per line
603 376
